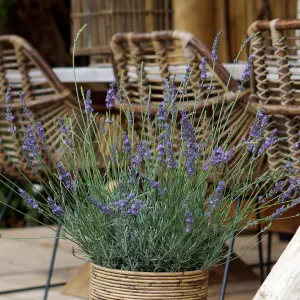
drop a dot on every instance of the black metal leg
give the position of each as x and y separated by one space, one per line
227 264
269 252
260 251
4 208
50 272
48 285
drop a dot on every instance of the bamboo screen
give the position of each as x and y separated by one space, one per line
107 17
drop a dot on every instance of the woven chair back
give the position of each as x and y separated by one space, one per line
165 54
275 84
22 67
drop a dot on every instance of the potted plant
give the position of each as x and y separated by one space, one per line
165 220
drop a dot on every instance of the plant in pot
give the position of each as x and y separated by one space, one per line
164 221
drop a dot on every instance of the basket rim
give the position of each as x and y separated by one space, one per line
150 274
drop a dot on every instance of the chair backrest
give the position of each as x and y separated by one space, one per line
275 84
22 67
164 54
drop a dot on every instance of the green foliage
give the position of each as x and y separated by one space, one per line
20 215
5 7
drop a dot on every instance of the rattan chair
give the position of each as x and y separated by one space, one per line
275 86
275 83
165 54
23 67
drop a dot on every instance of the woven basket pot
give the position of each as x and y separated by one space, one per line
113 284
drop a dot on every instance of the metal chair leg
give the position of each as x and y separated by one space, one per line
260 251
227 264
50 271
269 252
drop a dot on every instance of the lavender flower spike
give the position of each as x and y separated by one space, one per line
41 134
30 202
216 198
126 143
214 51
203 69
56 209
135 208
103 208
88 104
30 146
218 157
247 71
25 108
110 96
66 132
9 115
189 220
64 176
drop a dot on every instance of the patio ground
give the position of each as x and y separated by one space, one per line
25 262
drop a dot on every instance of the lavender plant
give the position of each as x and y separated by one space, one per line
160 204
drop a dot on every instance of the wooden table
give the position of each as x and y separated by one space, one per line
98 78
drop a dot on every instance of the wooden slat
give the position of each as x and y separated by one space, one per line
283 283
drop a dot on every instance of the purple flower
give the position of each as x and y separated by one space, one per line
102 129
114 149
30 146
261 122
30 202
135 208
169 95
161 151
290 168
155 184
214 51
130 196
64 176
170 157
187 74
41 134
203 69
120 205
9 115
268 142
218 157
256 133
216 199
247 71
189 220
126 143
56 209
103 208
110 96
278 213
66 132
279 187
88 104
74 184
110 121
25 108
162 113
12 129
142 154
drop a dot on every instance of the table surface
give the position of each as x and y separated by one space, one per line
104 74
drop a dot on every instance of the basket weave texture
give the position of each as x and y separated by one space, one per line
111 284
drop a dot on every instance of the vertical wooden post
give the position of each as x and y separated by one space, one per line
196 17
149 16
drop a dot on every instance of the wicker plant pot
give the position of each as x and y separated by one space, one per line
116 284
